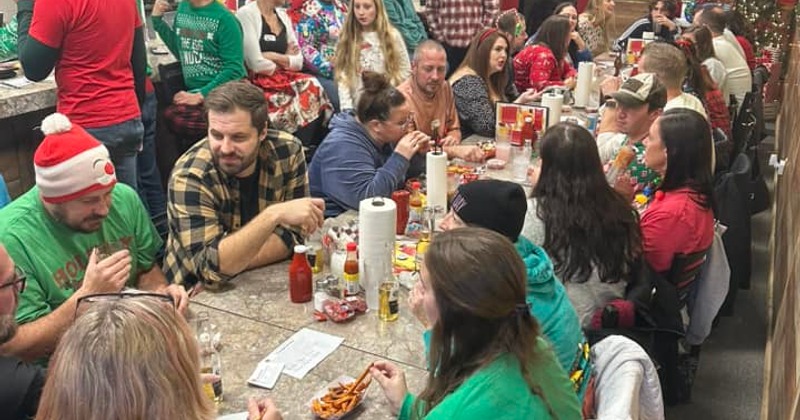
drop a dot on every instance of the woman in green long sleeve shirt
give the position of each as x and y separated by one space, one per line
490 359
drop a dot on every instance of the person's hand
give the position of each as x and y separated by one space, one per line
393 382
450 141
624 186
159 8
666 23
533 174
264 409
411 143
186 98
529 96
179 295
415 303
468 152
293 49
570 83
575 36
108 275
305 213
610 85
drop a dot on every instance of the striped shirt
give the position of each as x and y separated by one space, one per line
455 22
204 203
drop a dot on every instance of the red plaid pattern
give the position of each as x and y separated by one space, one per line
718 112
455 22
187 121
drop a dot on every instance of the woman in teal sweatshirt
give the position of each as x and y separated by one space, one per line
490 360
500 206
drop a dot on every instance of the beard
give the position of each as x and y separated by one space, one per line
8 327
83 226
236 165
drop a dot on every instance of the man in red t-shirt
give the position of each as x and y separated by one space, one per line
98 52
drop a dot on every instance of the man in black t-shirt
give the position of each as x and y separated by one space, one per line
22 383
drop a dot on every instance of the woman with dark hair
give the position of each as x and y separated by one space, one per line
704 49
680 219
481 81
368 154
544 63
577 51
489 360
743 31
718 114
589 230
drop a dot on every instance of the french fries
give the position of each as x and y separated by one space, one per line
341 399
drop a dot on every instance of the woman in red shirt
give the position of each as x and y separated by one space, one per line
680 219
544 63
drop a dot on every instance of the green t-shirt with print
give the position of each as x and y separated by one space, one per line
54 256
208 42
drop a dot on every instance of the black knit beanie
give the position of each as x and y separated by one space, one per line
496 205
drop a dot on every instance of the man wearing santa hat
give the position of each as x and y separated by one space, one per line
76 233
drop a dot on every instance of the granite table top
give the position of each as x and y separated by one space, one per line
263 295
244 342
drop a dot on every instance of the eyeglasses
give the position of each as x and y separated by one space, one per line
85 301
18 281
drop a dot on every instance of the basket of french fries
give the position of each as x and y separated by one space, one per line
341 397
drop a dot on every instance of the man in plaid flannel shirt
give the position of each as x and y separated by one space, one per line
238 199
455 22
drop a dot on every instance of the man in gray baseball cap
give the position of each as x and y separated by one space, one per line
630 110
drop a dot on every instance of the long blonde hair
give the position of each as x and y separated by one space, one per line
348 51
129 359
597 14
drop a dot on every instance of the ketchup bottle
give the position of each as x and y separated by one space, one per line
300 276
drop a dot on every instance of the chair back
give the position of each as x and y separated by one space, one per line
684 271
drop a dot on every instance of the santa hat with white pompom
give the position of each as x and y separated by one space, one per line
70 162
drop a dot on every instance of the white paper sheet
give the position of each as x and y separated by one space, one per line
266 374
303 351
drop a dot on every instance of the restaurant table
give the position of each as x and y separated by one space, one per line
254 315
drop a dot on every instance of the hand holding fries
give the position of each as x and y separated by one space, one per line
393 382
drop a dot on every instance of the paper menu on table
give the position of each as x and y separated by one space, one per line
303 351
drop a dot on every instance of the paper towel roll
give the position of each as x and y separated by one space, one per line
436 178
584 84
553 102
377 217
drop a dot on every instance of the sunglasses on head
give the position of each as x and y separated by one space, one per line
86 301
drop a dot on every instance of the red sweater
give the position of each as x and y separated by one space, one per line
748 51
536 67
675 224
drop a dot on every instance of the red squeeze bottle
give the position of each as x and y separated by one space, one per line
401 199
300 276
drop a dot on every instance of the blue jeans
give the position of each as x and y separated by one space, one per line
332 89
150 189
123 141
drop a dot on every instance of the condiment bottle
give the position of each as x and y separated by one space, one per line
300 276
351 283
415 204
436 137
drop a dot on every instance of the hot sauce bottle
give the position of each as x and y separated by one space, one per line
351 284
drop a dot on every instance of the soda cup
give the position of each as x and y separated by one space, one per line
591 122
401 199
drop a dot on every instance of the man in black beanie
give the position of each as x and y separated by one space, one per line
500 206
